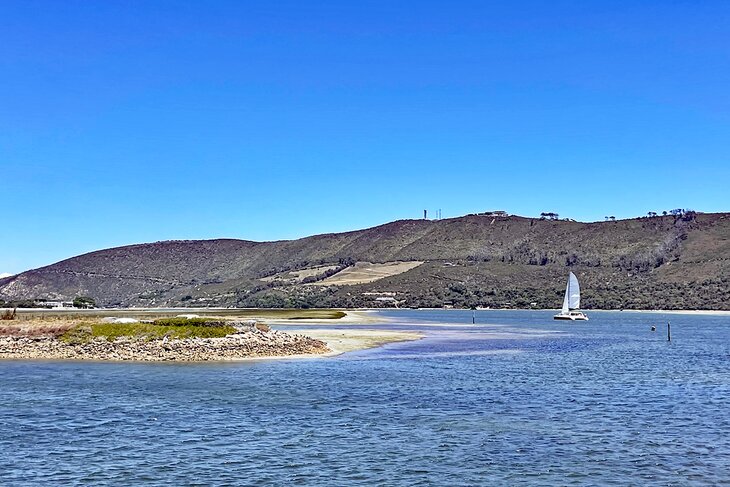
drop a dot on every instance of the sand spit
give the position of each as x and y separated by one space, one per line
245 344
352 317
348 340
38 339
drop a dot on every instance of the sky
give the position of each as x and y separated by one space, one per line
127 121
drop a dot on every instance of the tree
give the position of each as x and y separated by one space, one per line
612 218
651 214
84 302
664 212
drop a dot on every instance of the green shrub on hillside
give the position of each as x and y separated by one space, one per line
84 302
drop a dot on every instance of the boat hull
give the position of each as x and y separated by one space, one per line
571 317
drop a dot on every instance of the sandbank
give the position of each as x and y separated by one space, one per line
345 340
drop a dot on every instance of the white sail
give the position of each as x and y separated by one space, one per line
572 294
571 302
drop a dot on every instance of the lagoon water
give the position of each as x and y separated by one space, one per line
516 398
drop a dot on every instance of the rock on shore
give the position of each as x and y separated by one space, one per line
247 342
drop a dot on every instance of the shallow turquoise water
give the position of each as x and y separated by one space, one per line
518 398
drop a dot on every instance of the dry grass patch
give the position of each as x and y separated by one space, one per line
35 329
364 272
8 314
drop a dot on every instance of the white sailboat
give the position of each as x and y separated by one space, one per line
571 302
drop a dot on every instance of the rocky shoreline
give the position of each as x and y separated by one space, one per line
247 342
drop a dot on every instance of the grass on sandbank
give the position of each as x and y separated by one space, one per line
181 321
293 314
86 332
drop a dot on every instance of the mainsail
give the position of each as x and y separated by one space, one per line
572 294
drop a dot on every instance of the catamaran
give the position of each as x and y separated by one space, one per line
571 302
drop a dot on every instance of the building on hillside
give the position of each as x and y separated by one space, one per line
55 304
494 213
386 299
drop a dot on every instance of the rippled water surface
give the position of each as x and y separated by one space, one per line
516 398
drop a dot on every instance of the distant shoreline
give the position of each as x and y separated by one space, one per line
680 311
351 314
556 310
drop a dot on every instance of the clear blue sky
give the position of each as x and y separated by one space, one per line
130 121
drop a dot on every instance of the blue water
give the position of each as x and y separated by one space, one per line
517 398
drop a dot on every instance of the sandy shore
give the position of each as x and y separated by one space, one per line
39 339
341 341
347 340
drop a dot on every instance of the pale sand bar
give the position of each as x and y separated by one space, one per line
341 341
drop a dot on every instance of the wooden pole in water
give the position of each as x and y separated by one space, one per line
669 331
473 317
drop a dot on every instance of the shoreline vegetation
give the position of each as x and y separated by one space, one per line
159 335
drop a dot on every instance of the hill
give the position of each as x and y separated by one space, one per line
667 262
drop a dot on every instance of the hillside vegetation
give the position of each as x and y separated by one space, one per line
668 262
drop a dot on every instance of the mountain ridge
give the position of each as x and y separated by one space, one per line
677 262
